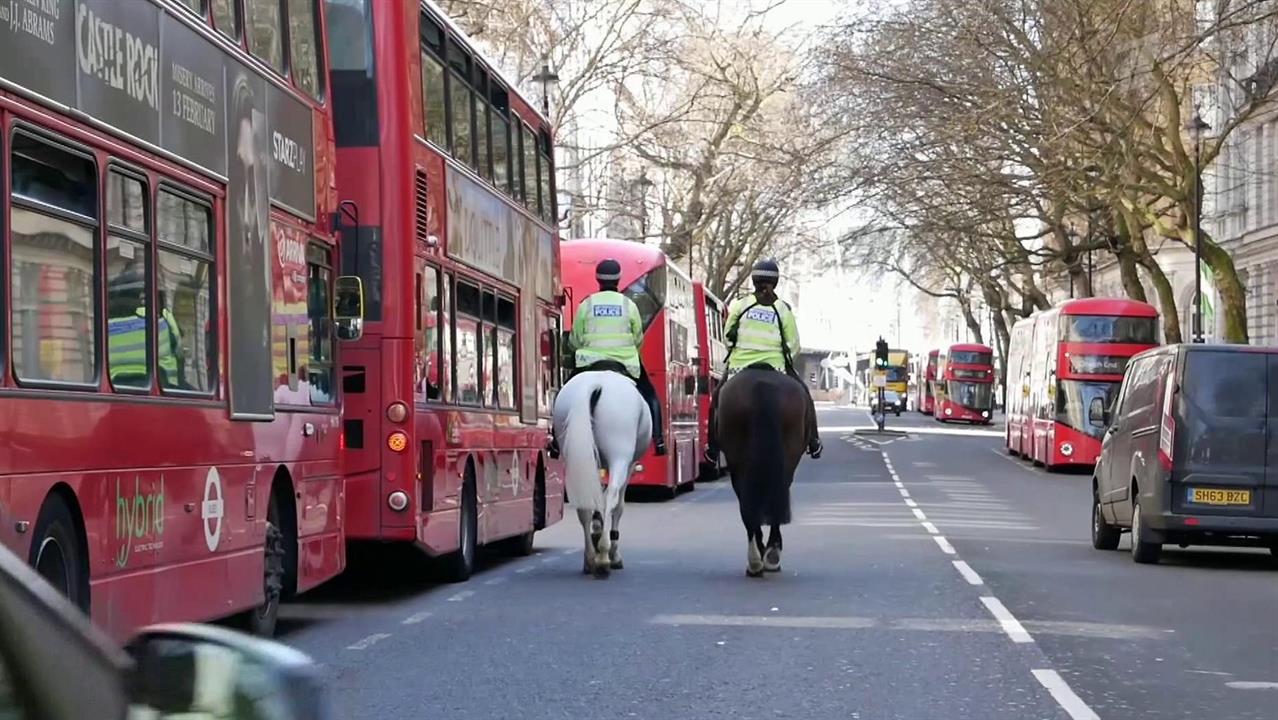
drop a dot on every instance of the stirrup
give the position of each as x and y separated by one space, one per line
816 450
660 446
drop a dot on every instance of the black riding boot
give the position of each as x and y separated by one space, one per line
711 455
649 394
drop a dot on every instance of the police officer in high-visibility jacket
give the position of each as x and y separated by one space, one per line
761 330
607 333
126 337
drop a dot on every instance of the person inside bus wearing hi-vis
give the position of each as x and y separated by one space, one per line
761 330
126 336
607 333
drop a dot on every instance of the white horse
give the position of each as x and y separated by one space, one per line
602 422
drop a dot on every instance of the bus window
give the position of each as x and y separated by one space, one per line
304 46
226 18
488 349
319 311
54 315
265 36
426 341
530 170
506 360
183 323
128 264
467 360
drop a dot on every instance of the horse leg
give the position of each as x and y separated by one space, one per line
754 551
588 559
772 553
599 540
614 535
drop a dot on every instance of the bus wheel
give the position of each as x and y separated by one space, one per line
56 552
461 564
261 620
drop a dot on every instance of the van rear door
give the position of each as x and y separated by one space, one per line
1221 443
1270 507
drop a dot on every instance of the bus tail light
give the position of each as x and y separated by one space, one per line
1167 428
397 441
397 412
398 501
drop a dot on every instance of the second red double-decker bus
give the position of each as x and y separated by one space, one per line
169 428
925 386
664 296
711 354
965 383
448 394
1058 360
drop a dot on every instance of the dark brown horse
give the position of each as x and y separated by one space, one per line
762 427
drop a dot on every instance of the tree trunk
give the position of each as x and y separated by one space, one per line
1229 287
1166 298
973 322
1131 275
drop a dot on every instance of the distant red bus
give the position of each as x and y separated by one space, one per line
965 383
1059 360
665 297
448 394
925 388
169 428
712 353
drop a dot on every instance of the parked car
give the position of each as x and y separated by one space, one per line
1190 451
892 402
55 665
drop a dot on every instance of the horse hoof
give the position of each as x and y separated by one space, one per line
772 560
601 572
618 564
752 573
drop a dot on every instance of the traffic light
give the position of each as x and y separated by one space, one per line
881 354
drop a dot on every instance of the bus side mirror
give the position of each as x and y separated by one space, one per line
348 307
1097 413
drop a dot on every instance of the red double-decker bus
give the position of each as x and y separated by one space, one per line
664 295
925 388
709 358
169 427
965 383
448 394
1058 360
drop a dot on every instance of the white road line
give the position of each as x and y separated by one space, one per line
1064 695
495 581
1010 624
415 618
779 621
968 573
904 492
461 596
524 569
569 551
931 528
368 642
944 544
919 514
1252 685
910 503
897 483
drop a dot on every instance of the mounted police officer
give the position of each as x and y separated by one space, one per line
607 333
761 330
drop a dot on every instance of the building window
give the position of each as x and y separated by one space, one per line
54 250
304 44
320 371
264 32
128 265
184 324
226 18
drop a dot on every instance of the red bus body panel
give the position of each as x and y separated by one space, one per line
665 352
711 313
925 391
428 210
947 370
1041 360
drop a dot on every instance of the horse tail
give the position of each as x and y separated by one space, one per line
767 455
581 457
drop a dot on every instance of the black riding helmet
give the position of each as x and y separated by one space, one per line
765 271
608 272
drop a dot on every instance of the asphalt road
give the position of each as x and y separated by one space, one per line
990 605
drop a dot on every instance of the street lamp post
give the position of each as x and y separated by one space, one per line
547 78
1196 127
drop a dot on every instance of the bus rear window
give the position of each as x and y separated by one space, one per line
1109 329
649 293
971 358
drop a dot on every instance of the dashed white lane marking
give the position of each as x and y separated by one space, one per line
931 528
825 623
1065 695
461 596
919 514
495 581
524 569
968 573
944 544
1005 618
368 642
569 551
910 503
904 492
415 618
1252 685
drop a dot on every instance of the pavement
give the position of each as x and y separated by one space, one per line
925 577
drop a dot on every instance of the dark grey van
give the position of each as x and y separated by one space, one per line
1190 453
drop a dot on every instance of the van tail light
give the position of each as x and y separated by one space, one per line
1167 428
